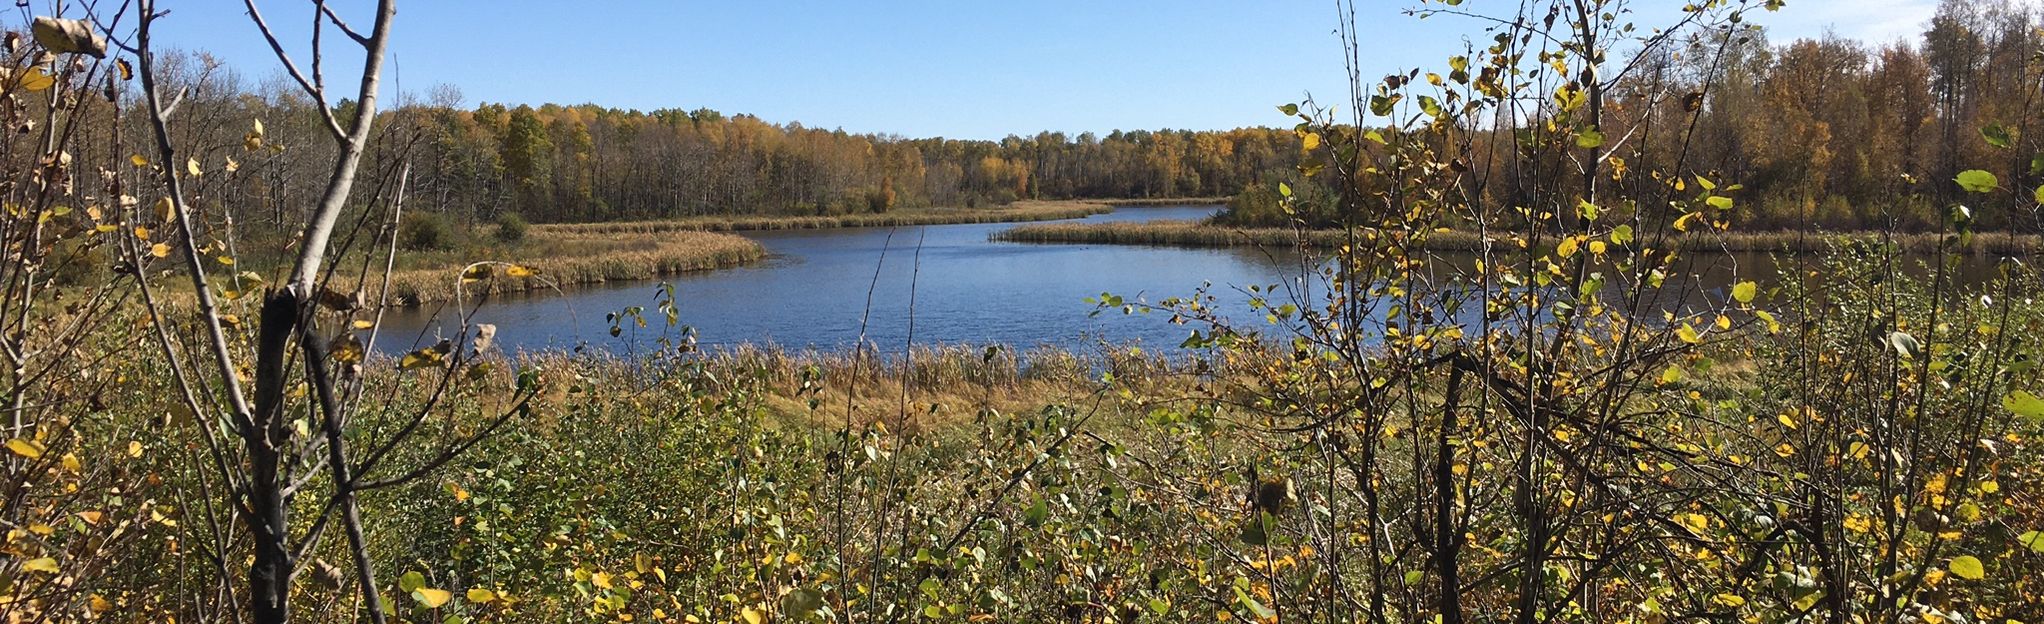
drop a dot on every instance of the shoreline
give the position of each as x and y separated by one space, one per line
606 258
1019 212
1193 234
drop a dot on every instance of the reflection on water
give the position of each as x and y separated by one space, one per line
813 291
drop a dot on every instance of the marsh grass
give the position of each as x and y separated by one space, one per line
565 258
1195 234
1018 212
945 384
1169 201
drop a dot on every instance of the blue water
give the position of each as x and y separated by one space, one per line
812 292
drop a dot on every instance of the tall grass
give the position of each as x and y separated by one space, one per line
565 258
1018 212
1194 234
1169 201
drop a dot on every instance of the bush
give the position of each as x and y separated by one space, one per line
511 227
425 232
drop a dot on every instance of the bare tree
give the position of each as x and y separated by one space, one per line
271 463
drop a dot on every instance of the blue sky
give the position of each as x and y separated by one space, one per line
960 68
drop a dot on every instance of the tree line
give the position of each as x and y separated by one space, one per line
1826 132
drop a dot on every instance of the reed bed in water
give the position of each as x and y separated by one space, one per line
1017 212
1169 201
566 258
1195 234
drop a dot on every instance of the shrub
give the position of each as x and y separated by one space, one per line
421 231
511 227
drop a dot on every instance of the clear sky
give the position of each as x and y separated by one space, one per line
956 68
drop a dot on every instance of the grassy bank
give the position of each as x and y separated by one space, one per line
1193 234
561 258
1018 212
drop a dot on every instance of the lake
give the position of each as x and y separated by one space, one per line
812 292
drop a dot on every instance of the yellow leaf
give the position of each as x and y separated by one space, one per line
345 349
44 564
164 209
1967 567
159 250
26 448
138 160
428 356
1567 247
481 596
134 448
1311 141
72 464
753 616
233 166
520 271
91 517
141 233
192 167
1688 334
98 604
35 79
432 598
1743 292
364 324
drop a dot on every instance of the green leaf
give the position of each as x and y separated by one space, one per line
1719 202
1621 235
1671 374
2038 195
1590 138
1905 345
1743 292
1977 181
1998 135
1250 604
1967 567
801 602
1036 513
1289 109
2024 404
411 582
2034 540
